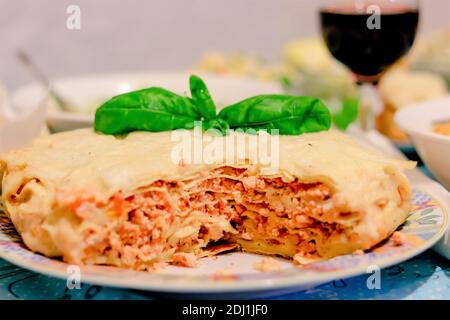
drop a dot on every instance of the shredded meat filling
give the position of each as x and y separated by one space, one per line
228 205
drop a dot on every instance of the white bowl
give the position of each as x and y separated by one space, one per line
417 121
86 93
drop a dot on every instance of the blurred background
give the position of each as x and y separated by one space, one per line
157 34
248 46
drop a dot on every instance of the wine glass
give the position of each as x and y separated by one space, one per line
369 36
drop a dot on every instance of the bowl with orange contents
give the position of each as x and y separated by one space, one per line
428 126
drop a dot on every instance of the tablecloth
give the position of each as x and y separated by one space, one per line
426 276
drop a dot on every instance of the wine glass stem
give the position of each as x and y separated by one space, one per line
369 106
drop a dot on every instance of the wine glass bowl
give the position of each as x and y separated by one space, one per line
369 36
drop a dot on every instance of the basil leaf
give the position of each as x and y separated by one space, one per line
291 115
201 97
348 113
152 109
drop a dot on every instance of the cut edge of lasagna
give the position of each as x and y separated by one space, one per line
222 209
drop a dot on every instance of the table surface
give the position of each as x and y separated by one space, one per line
426 276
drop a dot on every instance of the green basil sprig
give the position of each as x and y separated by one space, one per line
152 109
201 97
156 109
291 115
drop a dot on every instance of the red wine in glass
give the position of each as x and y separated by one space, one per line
368 52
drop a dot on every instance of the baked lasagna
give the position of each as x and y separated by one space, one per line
97 199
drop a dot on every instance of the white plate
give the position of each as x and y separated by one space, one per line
86 93
235 273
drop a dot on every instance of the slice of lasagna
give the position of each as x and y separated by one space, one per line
97 199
